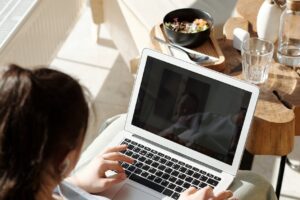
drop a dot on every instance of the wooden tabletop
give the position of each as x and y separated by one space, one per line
277 116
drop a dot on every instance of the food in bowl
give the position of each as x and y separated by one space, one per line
185 33
196 26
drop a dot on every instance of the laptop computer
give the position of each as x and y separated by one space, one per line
186 126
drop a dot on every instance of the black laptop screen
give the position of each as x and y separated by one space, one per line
191 109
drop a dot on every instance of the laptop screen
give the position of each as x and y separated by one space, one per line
190 109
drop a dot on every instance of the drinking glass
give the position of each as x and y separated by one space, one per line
257 56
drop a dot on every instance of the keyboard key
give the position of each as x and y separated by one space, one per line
138 164
189 172
212 182
164 183
149 155
196 175
147 183
161 154
189 179
195 169
142 158
179 182
175 173
148 161
147 148
162 160
209 175
168 170
176 166
153 151
145 174
169 163
202 185
130 147
128 153
152 170
143 152
186 185
157 180
145 167
217 178
171 186
138 171
127 140
151 177
165 176
174 160
156 158
195 182
125 165
182 169
154 164
203 178
131 168
167 157
176 195
133 142
202 172
167 192
182 176
159 173
136 149
178 189
172 179
140 145
162 167
181 163
188 166
135 156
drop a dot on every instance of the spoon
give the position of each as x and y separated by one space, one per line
196 57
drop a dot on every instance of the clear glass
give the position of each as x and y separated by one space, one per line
257 56
288 52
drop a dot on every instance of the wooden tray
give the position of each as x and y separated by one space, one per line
210 47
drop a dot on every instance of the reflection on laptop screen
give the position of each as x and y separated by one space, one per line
191 109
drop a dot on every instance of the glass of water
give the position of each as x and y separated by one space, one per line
257 57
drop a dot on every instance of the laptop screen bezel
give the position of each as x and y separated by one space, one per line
254 90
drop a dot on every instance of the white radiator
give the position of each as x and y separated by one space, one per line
42 33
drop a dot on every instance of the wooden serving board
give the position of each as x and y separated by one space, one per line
210 47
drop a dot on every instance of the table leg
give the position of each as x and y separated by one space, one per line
280 175
247 160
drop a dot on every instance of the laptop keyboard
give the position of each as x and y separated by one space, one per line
163 173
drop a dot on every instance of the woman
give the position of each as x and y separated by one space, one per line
43 120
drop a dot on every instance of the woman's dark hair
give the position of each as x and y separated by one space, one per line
43 116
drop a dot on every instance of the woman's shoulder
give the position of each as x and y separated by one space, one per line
67 191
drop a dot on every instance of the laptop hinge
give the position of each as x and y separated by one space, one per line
177 153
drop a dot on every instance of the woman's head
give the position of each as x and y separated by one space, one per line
43 117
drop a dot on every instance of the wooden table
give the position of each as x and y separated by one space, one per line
277 117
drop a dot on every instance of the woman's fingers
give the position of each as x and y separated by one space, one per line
116 156
118 148
224 195
112 165
204 193
109 182
190 191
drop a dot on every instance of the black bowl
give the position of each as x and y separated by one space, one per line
189 15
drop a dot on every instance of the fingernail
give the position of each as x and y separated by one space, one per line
229 193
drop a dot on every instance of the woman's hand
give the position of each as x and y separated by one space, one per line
204 194
92 177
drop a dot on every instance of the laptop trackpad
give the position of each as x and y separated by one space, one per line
130 193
